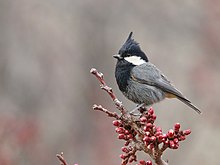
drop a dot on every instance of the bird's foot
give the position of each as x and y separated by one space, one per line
135 109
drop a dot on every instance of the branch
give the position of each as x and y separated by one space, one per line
61 159
139 132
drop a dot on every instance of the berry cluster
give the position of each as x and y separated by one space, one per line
148 135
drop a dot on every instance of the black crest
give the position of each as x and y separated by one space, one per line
131 47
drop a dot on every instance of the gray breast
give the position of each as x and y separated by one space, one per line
142 93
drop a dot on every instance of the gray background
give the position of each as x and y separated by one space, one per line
47 48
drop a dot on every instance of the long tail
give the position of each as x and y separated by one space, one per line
187 102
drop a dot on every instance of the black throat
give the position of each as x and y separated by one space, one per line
122 74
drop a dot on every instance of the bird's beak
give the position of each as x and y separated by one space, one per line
117 56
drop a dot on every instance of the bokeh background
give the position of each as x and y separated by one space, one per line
47 48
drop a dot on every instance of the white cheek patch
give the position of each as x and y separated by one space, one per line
135 60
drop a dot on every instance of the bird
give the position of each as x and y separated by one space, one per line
141 81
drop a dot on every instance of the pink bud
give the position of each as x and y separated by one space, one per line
146 128
124 149
146 138
160 138
177 127
143 119
150 111
175 141
130 136
149 162
181 138
116 123
152 138
176 146
159 129
142 162
187 132
164 136
149 125
154 117
170 134
119 130
122 156
171 143
127 143
121 136
158 134
126 132
147 133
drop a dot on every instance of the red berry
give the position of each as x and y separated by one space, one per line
160 138
152 138
164 136
146 139
130 136
175 141
170 134
121 136
154 117
126 132
159 129
149 162
127 143
177 127
149 125
187 132
147 133
116 123
124 149
150 111
181 138
143 119
145 128
176 146
151 146
122 156
119 130
142 162
171 143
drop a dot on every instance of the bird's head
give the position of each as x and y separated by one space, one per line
131 52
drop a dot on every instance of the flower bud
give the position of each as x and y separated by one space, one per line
170 134
143 119
152 138
124 149
154 117
176 141
181 138
116 123
171 144
150 111
142 162
130 136
149 125
120 130
146 139
187 132
149 162
122 156
177 127
121 136
126 132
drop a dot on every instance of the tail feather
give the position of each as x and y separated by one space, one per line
187 102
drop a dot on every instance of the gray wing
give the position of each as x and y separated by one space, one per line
148 74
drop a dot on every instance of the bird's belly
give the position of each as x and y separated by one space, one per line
142 93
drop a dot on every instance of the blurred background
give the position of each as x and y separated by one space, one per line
47 48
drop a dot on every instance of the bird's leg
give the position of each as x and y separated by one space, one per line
135 109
